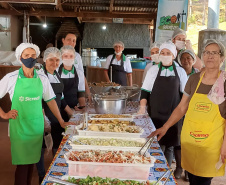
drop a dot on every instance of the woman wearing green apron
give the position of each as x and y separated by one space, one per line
27 87
203 141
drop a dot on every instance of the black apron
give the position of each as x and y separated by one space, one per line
70 91
164 98
118 72
56 129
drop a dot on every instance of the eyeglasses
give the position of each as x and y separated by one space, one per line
213 53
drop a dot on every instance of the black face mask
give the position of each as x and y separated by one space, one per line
29 62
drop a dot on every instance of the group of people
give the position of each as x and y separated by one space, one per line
186 107
190 125
47 95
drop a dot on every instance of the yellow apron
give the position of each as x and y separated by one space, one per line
202 137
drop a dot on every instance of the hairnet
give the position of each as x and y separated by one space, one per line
213 41
23 46
190 52
67 49
170 46
50 53
155 45
118 43
177 32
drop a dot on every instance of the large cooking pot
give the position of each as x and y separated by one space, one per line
110 103
132 91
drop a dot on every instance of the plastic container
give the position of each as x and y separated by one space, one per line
111 170
130 117
138 63
110 134
101 147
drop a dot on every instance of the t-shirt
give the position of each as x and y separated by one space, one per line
78 62
71 74
8 83
166 71
126 63
203 89
52 79
147 68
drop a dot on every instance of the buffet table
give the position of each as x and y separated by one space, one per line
59 167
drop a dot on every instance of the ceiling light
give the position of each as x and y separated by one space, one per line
104 27
45 25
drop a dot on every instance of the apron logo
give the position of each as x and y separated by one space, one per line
21 98
198 135
203 107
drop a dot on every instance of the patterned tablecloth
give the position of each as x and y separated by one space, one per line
59 167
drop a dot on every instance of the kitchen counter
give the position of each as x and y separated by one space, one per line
96 74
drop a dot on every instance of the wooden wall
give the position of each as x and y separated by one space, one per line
5 102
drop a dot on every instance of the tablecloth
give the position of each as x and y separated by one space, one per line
59 167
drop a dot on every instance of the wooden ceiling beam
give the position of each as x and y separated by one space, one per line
59 6
111 6
49 13
5 5
125 20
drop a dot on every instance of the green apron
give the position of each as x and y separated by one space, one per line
26 131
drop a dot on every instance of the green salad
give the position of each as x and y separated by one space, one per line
105 181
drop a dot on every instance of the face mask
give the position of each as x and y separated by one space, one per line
155 58
119 53
68 62
166 60
29 62
180 44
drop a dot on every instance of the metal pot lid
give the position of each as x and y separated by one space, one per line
111 96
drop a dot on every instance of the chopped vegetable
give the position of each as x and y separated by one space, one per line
109 142
114 128
114 121
106 181
109 157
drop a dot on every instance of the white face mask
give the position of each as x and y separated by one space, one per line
180 44
155 58
68 62
166 60
119 53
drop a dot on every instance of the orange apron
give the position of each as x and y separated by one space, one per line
202 137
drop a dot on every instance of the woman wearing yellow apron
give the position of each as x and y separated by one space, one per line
202 138
26 88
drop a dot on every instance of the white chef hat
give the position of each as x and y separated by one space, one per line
23 46
67 49
51 52
170 46
190 52
177 32
154 45
118 43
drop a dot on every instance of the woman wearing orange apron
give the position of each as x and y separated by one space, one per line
202 138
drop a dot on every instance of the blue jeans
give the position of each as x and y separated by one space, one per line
41 165
168 152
